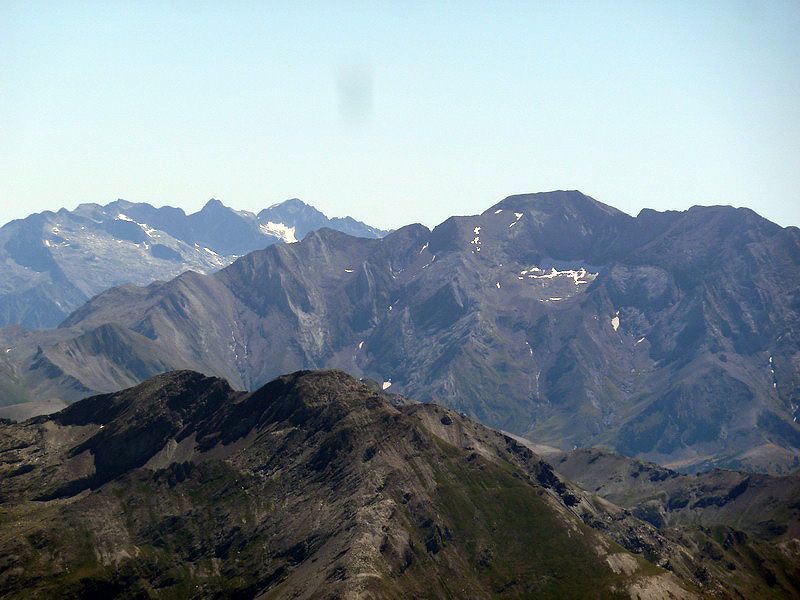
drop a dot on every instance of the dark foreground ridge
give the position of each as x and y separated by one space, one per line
318 485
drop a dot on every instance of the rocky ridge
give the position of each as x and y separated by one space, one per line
318 486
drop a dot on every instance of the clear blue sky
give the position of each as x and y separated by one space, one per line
400 112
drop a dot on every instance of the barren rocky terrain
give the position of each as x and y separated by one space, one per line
673 337
321 486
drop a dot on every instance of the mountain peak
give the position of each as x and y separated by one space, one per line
304 218
293 207
553 202
291 203
214 204
313 393
177 391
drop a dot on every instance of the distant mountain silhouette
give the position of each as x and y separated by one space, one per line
51 263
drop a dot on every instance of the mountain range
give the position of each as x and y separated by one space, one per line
672 337
318 485
53 262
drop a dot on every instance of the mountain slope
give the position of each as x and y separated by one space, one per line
669 336
50 263
314 486
755 504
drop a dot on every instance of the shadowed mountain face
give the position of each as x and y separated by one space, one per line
669 336
51 263
762 506
320 486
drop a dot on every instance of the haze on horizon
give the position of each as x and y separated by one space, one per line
397 114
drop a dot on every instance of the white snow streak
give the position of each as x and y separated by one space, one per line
580 276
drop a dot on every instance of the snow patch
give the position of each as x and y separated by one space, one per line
476 241
386 385
615 321
639 341
284 232
124 217
498 211
425 247
518 217
48 243
153 233
580 276
498 285
348 271
360 344
431 262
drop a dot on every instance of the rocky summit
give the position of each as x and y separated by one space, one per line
672 337
318 485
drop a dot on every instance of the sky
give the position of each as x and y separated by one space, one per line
399 112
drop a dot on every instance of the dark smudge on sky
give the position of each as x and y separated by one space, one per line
354 91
